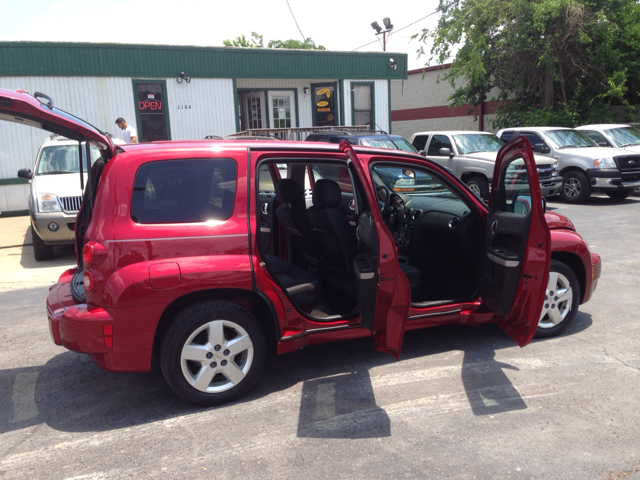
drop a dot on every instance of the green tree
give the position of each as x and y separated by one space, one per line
553 62
257 42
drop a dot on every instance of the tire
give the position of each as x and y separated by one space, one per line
620 194
225 355
559 311
479 185
575 187
41 251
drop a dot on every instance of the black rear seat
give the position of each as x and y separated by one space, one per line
304 287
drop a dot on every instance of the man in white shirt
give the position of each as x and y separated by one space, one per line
129 133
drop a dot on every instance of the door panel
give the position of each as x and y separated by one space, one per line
377 251
282 109
517 243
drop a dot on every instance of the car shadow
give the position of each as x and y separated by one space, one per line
69 393
65 255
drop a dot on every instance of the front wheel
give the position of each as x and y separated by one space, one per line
479 186
213 353
560 302
41 251
575 187
620 194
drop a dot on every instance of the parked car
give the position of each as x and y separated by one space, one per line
623 136
585 167
472 156
55 193
367 138
186 259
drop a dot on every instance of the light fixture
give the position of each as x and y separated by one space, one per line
182 76
388 27
376 27
387 23
305 90
393 63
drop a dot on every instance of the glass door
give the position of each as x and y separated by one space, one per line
282 109
253 110
324 104
151 110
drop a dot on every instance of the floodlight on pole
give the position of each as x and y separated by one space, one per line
388 28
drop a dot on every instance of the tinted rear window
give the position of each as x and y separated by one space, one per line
184 191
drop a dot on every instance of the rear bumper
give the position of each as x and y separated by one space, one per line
117 340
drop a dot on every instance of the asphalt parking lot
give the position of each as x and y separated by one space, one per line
462 402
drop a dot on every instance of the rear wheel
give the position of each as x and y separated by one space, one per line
41 251
213 353
620 194
575 187
479 185
561 301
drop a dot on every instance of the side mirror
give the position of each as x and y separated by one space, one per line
423 153
25 173
445 152
541 148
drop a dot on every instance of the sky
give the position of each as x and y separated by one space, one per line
338 25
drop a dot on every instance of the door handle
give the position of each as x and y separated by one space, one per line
494 227
265 208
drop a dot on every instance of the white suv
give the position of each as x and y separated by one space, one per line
55 195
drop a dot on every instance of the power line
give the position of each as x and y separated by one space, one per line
294 19
396 31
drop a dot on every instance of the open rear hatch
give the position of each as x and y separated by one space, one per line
37 111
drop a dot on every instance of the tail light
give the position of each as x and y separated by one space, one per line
93 252
88 279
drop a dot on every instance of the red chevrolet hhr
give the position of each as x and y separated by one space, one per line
205 255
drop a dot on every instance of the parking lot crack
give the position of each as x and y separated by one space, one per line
604 349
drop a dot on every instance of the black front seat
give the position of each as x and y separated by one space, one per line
336 237
293 215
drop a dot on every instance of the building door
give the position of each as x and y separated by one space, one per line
282 109
151 110
324 104
253 111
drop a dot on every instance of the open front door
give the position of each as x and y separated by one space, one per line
517 244
384 293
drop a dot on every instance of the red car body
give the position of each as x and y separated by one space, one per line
139 277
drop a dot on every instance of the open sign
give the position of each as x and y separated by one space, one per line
153 105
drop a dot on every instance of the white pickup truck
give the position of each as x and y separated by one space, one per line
585 166
472 156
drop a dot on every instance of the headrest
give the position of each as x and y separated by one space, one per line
288 191
326 194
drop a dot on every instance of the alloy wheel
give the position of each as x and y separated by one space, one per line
557 301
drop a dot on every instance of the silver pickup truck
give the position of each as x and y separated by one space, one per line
472 156
585 166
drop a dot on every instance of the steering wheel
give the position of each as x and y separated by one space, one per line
384 200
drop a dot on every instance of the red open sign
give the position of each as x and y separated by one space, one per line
155 105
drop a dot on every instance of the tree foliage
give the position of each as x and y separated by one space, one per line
553 62
258 42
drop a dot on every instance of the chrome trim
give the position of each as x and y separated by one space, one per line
265 229
503 262
318 330
427 315
265 208
176 238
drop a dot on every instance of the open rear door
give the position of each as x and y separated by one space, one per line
384 293
517 243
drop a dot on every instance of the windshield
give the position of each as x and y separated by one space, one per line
58 159
624 136
384 142
569 139
472 143
412 182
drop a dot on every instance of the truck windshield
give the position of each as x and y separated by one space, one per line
57 159
624 136
569 139
476 142
384 142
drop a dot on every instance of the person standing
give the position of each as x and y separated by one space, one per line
129 133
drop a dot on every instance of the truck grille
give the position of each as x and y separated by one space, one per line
70 204
547 173
628 162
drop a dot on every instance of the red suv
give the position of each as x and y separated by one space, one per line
205 255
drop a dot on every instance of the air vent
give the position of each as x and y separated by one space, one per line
407 213
416 214
453 222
